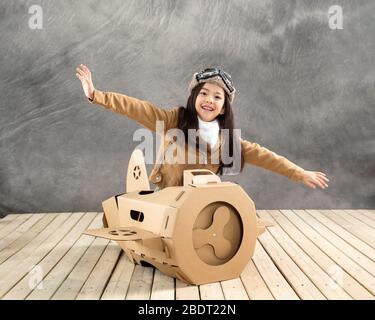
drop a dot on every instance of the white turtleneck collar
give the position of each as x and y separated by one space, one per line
209 131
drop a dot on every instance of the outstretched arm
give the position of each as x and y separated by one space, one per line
140 111
264 158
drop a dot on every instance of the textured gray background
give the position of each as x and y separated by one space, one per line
304 91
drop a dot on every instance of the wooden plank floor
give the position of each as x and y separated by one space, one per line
307 254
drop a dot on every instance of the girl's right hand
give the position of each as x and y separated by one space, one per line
84 74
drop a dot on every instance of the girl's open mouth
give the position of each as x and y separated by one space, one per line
207 108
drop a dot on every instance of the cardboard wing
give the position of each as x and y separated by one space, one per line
122 234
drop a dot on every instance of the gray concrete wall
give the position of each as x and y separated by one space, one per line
305 91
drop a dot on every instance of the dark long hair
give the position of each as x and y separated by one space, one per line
188 119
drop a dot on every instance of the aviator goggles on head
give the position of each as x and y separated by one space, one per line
213 72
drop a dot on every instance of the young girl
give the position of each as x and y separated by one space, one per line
209 110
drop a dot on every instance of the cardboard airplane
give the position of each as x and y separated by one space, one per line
204 231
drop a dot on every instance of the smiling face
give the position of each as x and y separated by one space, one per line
210 101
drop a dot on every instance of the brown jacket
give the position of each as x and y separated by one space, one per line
165 175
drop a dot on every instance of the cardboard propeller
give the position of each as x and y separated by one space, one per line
213 235
204 231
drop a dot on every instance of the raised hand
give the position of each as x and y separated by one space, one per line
84 74
313 179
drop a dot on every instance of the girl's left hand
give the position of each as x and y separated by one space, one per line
313 179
